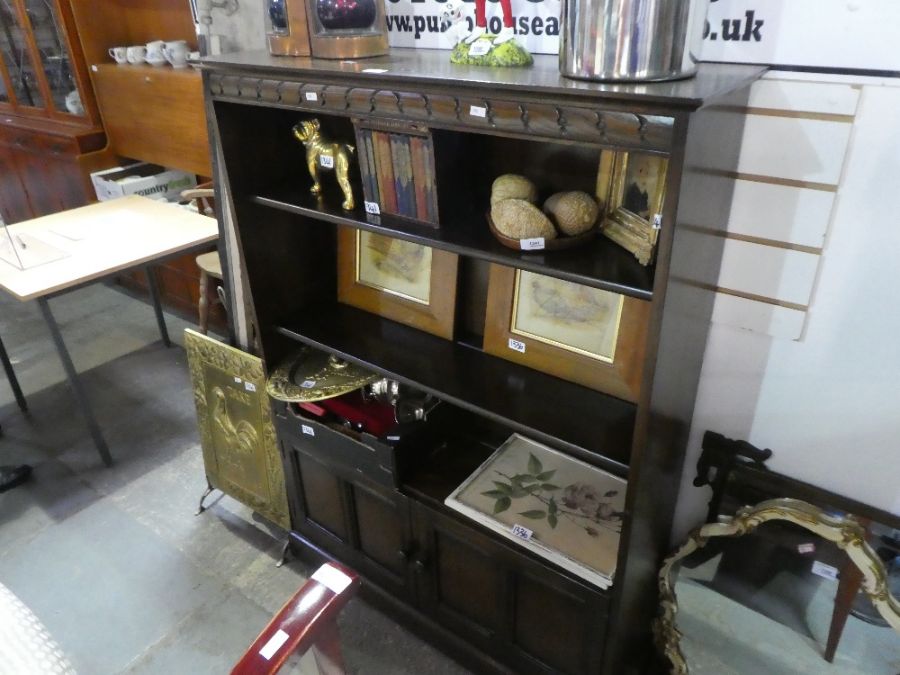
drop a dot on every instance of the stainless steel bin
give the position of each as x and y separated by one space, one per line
631 40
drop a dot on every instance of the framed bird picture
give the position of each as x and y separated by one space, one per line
237 436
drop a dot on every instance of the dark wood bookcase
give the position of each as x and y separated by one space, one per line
381 509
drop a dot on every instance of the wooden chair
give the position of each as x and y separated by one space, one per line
308 621
209 263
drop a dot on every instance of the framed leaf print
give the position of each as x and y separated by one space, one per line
561 508
582 334
397 279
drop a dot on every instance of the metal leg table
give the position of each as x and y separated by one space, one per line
11 377
157 307
80 395
146 234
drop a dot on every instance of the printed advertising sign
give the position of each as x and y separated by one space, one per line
853 34
438 24
819 33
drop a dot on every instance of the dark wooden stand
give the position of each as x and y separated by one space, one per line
380 509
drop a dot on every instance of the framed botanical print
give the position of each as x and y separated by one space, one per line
558 507
397 279
582 334
633 187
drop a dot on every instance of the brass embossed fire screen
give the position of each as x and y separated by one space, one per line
240 449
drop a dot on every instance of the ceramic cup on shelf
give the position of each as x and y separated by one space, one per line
155 50
136 53
176 53
119 54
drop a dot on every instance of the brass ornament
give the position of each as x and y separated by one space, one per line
321 153
845 532
237 435
311 375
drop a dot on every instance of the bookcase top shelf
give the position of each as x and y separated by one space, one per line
432 67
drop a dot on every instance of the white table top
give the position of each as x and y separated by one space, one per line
100 239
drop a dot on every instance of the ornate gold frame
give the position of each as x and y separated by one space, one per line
627 229
231 375
846 532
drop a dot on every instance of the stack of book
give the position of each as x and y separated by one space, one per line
398 172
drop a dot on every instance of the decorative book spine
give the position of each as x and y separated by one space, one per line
373 174
411 181
362 155
430 195
383 162
417 149
401 180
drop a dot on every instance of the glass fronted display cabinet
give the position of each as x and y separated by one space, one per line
50 133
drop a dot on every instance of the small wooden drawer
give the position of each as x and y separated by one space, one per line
353 453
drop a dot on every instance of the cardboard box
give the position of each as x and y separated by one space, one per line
142 178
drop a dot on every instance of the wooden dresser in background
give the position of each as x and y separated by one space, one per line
150 114
51 137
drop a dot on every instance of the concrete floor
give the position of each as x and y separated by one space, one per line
113 561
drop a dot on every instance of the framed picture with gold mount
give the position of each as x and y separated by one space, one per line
633 187
397 279
237 436
578 333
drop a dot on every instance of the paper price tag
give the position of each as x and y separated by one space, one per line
326 161
373 208
522 532
377 71
516 345
274 644
237 380
311 96
477 110
822 570
657 221
533 244
249 386
480 48
806 548
308 430
308 384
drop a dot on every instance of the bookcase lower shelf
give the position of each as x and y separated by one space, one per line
544 407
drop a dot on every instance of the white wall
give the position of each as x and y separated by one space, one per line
827 402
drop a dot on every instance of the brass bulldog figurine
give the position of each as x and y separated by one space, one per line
322 153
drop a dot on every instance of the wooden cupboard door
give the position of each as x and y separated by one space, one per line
521 611
461 582
557 624
383 539
324 502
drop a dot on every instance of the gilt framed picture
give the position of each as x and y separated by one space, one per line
397 279
562 509
633 187
583 334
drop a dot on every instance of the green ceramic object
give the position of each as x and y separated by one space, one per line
508 55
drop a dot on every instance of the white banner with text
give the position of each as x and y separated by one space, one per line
817 33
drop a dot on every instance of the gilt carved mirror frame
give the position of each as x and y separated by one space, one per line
845 532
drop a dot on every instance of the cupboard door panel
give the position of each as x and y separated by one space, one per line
551 624
323 499
467 581
383 536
